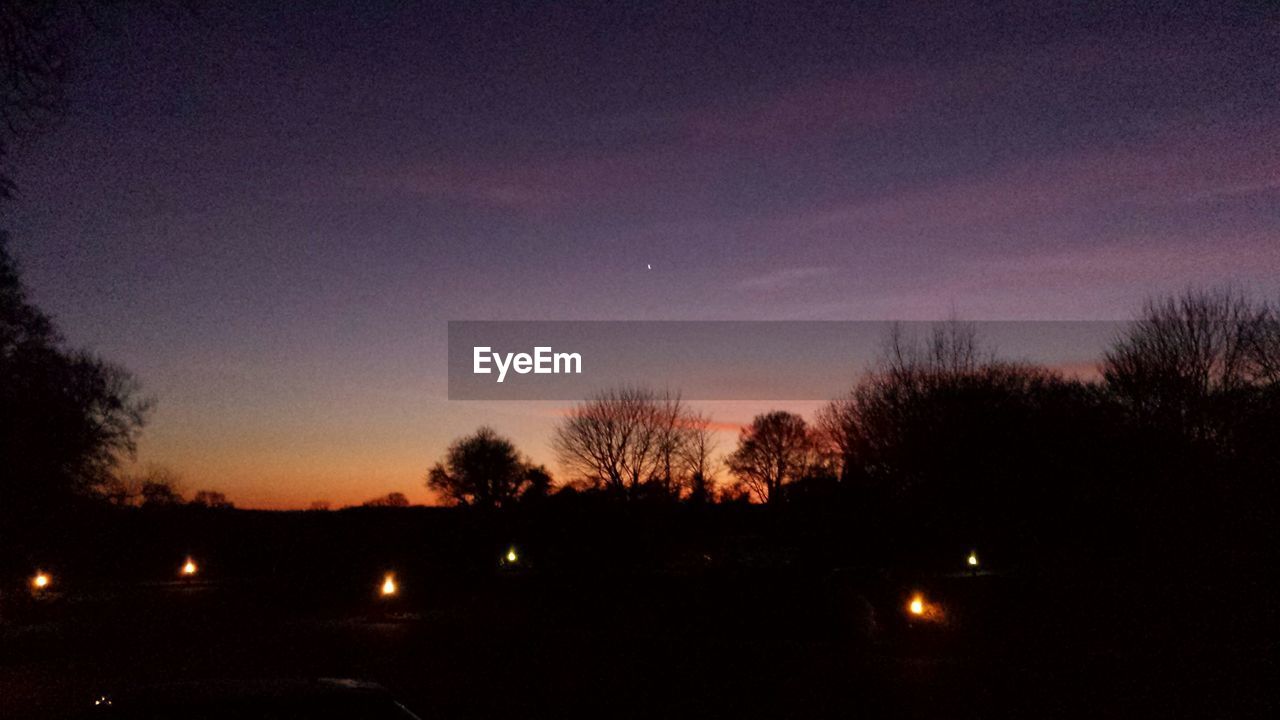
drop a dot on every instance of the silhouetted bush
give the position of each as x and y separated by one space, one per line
485 470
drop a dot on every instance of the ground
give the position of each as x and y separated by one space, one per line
523 645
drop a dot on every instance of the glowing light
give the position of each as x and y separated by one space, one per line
389 585
512 557
917 605
189 568
925 611
41 581
973 559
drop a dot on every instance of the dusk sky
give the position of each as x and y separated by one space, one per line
270 212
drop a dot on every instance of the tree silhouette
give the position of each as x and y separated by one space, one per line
485 470
212 499
33 62
66 417
390 500
1185 353
159 487
966 444
38 48
633 442
1263 344
538 483
1195 376
775 450
697 460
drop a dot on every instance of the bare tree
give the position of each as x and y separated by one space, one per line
854 428
631 441
835 428
951 347
1263 344
1183 351
33 62
697 461
613 441
775 450
37 47
39 41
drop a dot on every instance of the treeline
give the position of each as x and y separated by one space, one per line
1182 424
1180 430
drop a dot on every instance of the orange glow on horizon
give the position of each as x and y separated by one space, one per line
289 465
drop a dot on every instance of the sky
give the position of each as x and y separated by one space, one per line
268 212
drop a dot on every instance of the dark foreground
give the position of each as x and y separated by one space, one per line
763 644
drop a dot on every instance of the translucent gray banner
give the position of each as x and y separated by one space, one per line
723 360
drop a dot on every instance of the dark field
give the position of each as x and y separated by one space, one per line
713 633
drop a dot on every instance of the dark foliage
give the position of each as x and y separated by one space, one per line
485 470
777 450
66 416
39 40
390 500
1195 383
211 499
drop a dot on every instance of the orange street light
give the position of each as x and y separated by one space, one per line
973 559
916 606
41 580
189 568
511 557
389 587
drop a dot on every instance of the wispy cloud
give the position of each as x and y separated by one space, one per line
1264 187
785 278
812 109
681 153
